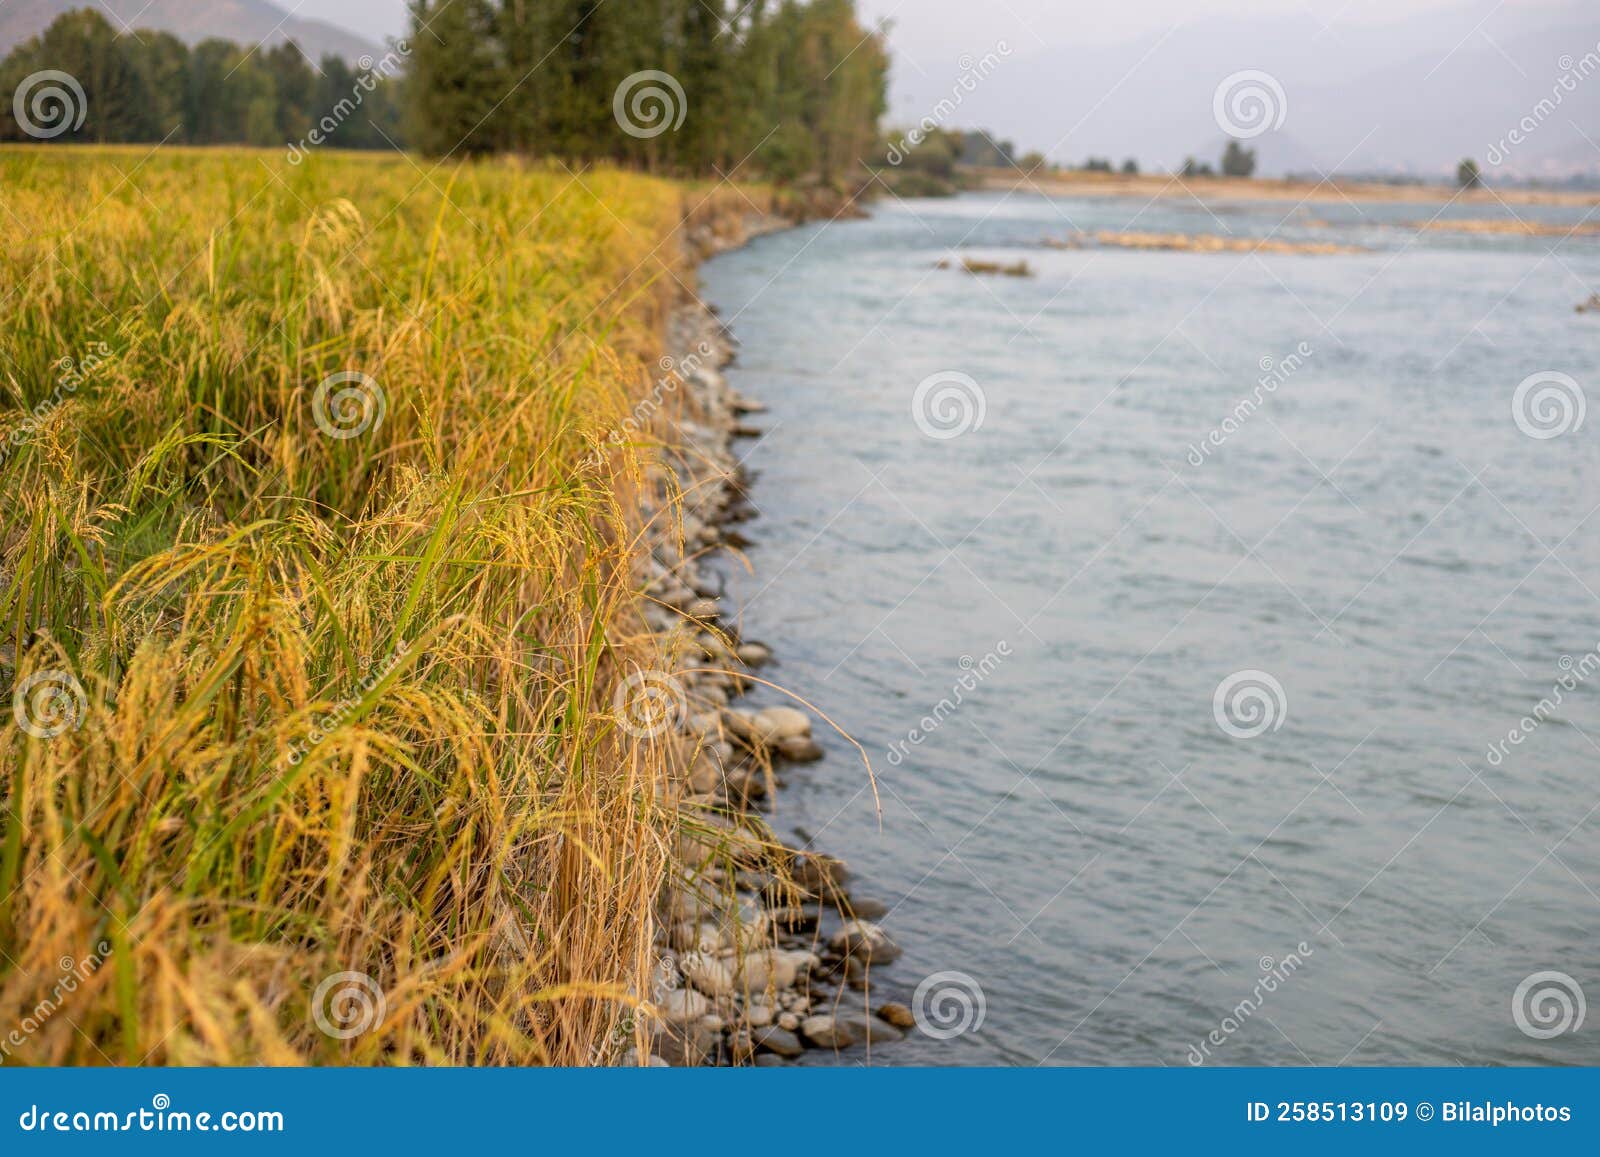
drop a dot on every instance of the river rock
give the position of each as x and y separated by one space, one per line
864 908
682 1005
710 975
864 940
777 1040
897 1014
630 1059
741 724
773 724
827 1032
753 654
799 749
775 968
758 1015
869 1028
818 873
788 1021
706 774
699 936
746 783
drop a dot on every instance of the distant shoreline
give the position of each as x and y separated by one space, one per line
1080 184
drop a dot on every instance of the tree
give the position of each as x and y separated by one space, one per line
1468 176
456 87
694 86
151 87
1130 167
1238 161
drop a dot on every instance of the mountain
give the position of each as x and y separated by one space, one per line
1412 95
242 21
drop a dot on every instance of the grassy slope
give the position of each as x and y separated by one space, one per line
445 595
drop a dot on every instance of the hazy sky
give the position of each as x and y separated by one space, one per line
924 27
1390 85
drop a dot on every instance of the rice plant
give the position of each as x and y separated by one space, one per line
313 597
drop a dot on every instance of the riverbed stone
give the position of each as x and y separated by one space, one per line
683 1005
816 872
754 654
864 907
777 723
864 940
799 749
777 1040
869 1028
897 1014
827 1032
708 974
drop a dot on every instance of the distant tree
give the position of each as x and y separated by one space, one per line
294 88
163 62
1193 168
151 87
456 77
1468 175
1097 165
83 45
1032 162
1238 161
1130 167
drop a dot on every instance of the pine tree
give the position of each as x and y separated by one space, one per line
457 79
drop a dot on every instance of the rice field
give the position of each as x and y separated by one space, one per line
314 593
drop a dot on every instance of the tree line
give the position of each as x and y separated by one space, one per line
787 88
82 80
791 89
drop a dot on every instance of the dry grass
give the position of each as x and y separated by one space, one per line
346 702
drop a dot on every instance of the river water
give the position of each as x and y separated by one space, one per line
1238 758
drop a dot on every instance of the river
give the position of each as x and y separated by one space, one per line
1236 677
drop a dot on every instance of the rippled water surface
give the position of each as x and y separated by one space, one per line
1079 833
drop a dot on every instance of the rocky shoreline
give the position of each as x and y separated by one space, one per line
764 953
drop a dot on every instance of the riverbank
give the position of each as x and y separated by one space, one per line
764 951
318 600
1211 189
